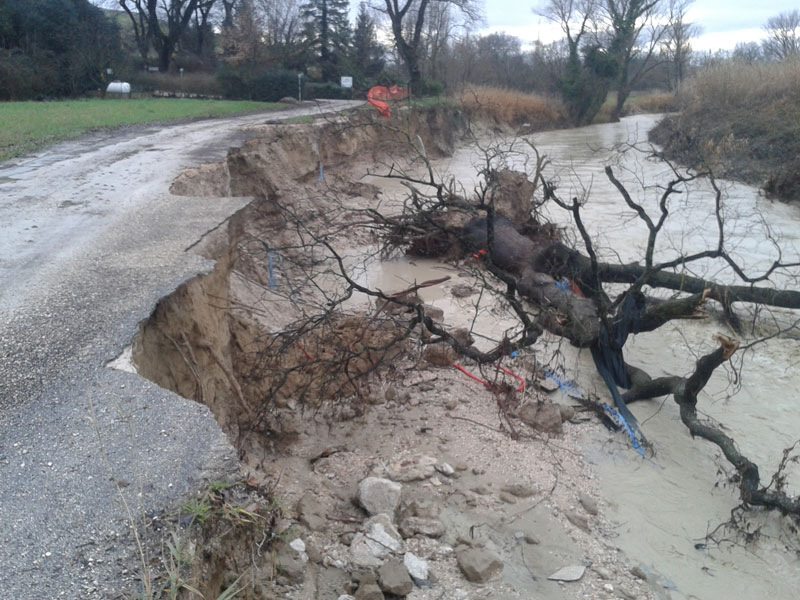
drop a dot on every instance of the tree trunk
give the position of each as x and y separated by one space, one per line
165 51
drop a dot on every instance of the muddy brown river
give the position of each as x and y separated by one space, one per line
665 505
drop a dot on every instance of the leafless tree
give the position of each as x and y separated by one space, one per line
534 265
636 31
161 23
677 45
783 35
407 19
140 22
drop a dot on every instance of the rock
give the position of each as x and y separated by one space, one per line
290 567
451 403
481 490
580 521
393 578
413 468
314 551
542 416
365 576
346 597
445 469
429 527
417 567
378 495
297 545
603 573
434 312
479 565
381 536
507 498
531 539
311 512
288 100
462 290
420 516
567 412
588 503
361 553
377 540
369 591
547 384
639 572
390 394
421 507
570 573
608 587
440 355
519 490
627 594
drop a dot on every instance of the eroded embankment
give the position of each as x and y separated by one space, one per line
750 144
207 344
328 400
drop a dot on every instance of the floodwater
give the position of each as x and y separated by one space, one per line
665 505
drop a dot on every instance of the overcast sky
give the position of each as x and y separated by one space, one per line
724 22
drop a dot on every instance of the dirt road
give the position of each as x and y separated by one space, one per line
90 239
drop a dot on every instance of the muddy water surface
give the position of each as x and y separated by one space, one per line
665 505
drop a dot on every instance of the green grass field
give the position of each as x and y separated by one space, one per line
26 126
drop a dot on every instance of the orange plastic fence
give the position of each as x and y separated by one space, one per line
379 96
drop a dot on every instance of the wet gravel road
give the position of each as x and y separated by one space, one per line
90 239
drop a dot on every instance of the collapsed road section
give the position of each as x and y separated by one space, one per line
90 240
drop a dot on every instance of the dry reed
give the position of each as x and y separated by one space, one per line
512 107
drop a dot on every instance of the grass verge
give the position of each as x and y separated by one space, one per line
26 126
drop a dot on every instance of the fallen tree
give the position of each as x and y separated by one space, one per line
564 288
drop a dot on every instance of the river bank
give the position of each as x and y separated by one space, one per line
486 482
740 120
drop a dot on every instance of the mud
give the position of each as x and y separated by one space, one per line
314 406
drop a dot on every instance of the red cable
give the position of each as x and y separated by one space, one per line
521 388
471 376
303 350
506 371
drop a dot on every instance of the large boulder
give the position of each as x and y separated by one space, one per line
394 579
479 565
379 495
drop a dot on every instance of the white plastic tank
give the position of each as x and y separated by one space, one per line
118 87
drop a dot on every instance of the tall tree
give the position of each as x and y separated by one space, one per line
204 34
636 30
243 38
407 18
677 45
327 33
167 25
783 35
166 21
366 55
588 70
137 13
283 31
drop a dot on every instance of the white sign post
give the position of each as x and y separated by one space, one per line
347 82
